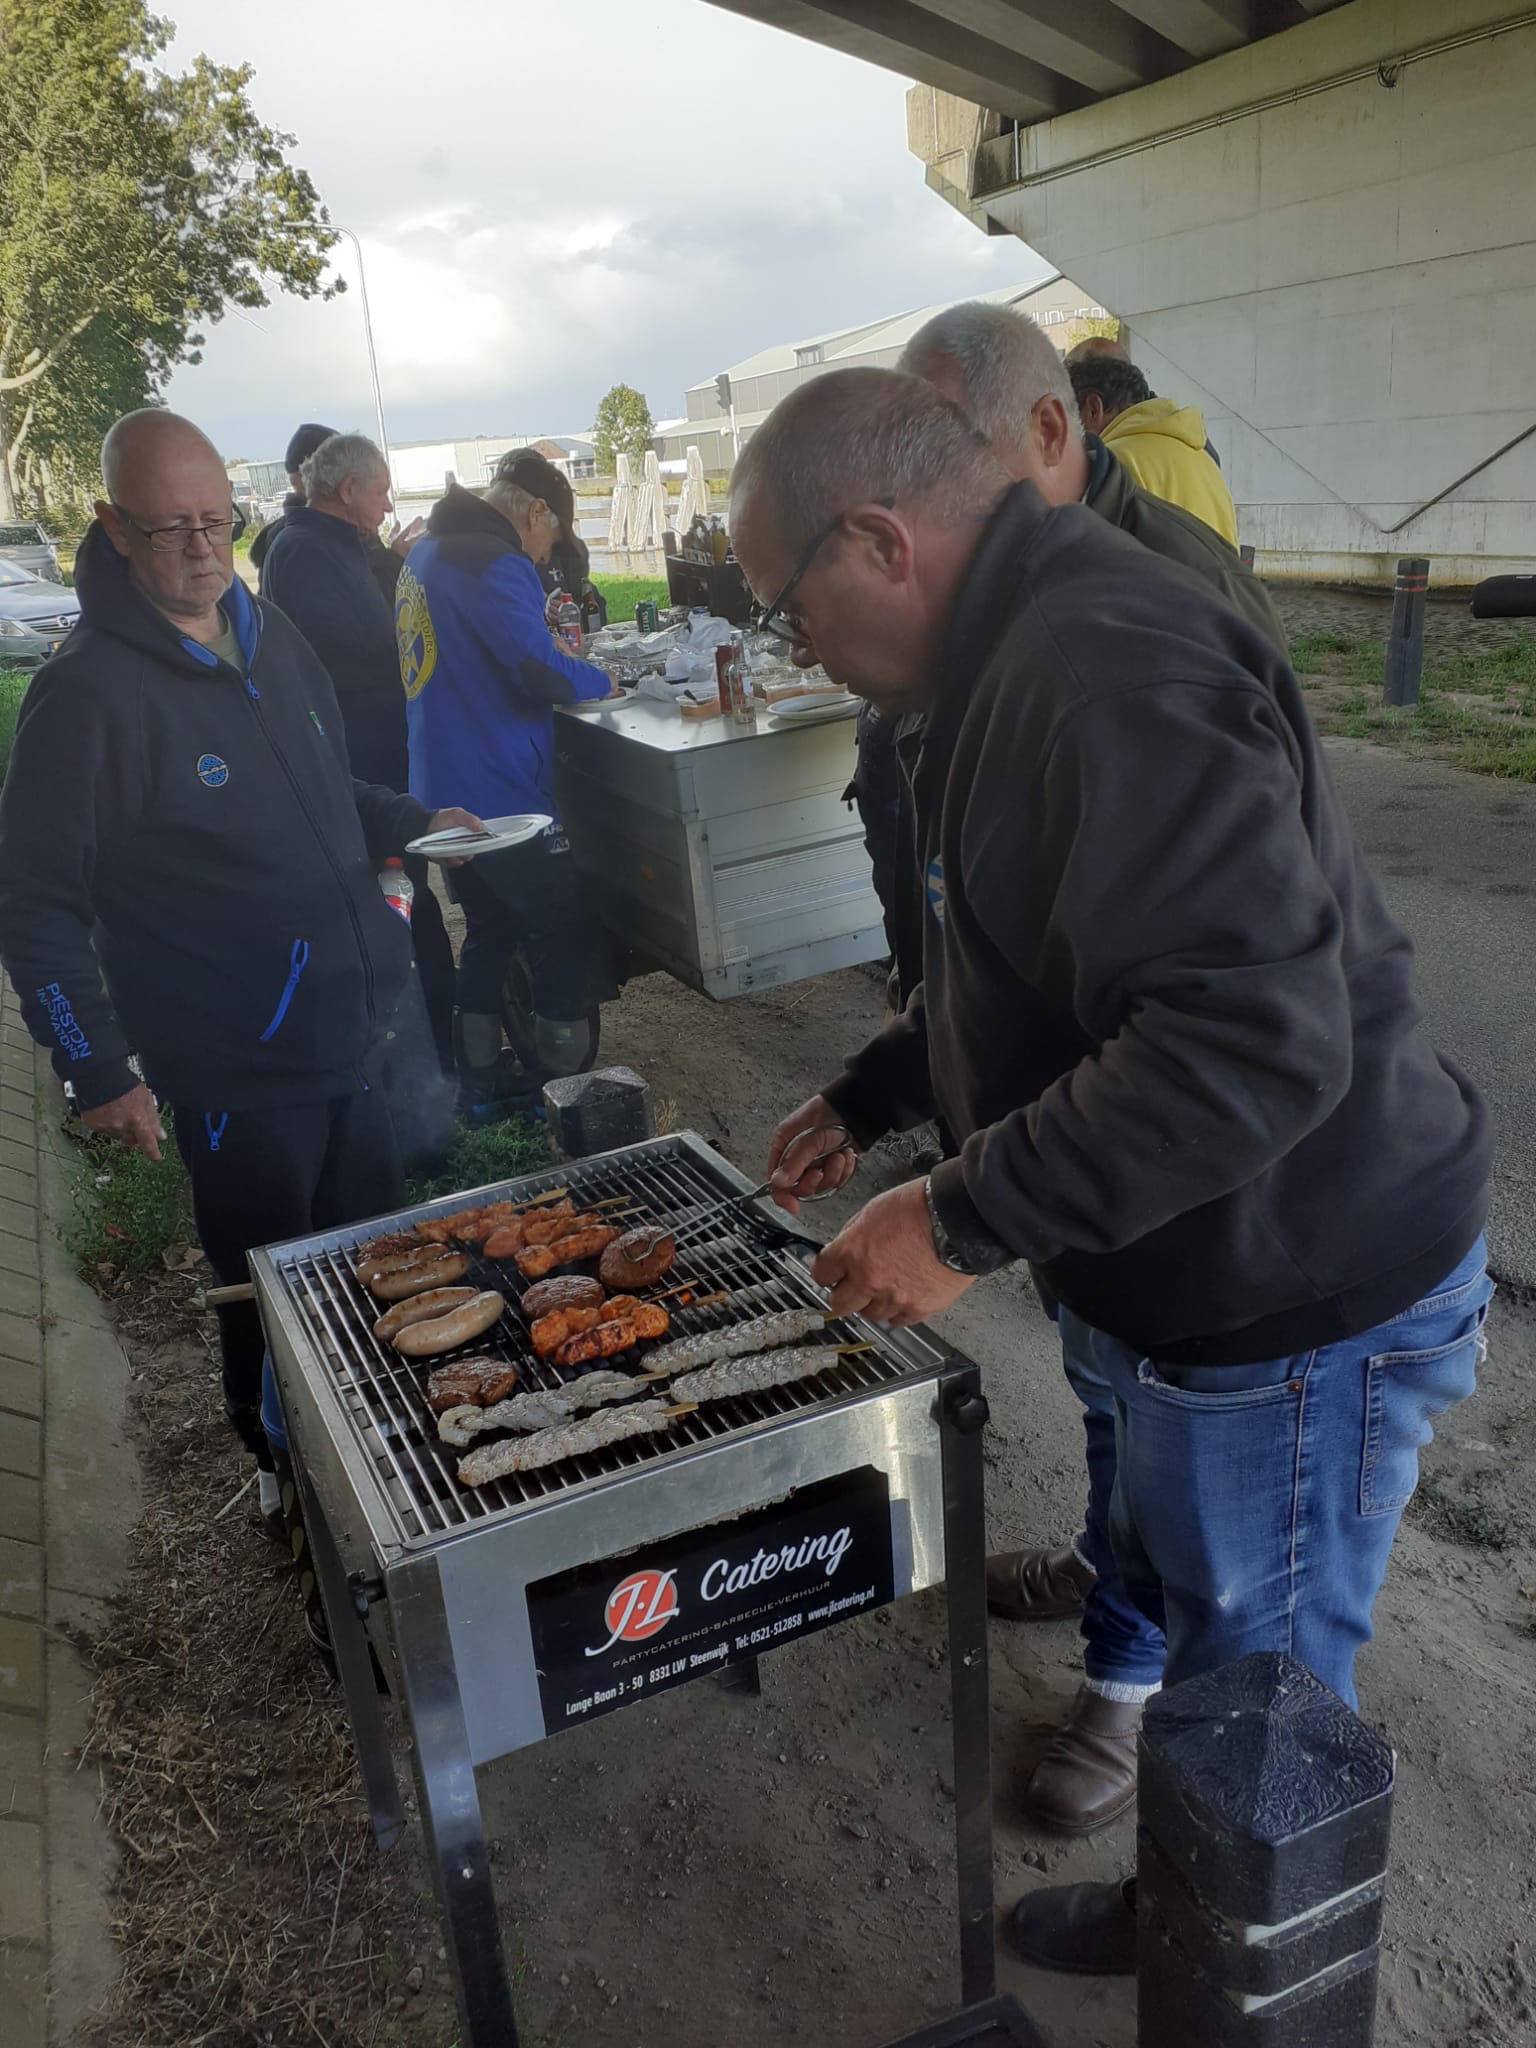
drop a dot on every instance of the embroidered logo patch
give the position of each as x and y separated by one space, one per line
935 887
211 771
413 631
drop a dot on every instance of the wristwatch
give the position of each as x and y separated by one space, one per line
946 1251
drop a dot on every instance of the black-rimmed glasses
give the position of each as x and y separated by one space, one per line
776 619
175 540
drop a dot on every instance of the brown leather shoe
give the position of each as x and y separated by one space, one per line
1037 1585
1087 1777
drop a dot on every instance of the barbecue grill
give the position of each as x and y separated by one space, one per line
501 1614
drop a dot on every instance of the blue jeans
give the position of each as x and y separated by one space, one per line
1254 1507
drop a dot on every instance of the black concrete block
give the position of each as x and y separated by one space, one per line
599 1112
1263 1790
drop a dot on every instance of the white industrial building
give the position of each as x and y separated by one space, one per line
761 380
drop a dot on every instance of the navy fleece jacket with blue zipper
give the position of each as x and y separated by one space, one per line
482 674
192 832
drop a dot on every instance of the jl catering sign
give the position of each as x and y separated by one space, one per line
608 1634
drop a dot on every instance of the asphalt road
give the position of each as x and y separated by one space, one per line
1455 856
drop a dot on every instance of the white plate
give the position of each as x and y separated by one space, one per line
820 705
500 833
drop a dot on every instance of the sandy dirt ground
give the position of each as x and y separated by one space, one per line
705 1869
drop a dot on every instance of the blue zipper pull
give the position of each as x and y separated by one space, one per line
215 1130
251 687
298 960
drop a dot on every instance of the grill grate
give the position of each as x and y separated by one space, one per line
384 1395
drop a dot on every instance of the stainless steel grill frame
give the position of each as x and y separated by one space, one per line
434 1575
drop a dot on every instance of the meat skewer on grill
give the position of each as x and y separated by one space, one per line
758 1371
540 1259
540 1409
762 1333
550 1331
607 1339
570 1440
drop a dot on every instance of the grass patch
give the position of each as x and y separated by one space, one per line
483 1153
13 687
623 593
128 1211
1476 707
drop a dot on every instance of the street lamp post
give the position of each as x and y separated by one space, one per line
373 361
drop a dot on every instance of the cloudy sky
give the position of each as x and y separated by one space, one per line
553 198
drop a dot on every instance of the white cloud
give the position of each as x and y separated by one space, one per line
551 199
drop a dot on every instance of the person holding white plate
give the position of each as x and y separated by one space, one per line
482 676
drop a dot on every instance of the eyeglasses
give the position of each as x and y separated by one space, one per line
175 540
777 619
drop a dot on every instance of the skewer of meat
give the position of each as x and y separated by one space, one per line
608 1339
757 1372
737 1340
570 1440
540 1259
537 1410
551 1331
534 1226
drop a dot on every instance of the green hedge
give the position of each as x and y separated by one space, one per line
13 687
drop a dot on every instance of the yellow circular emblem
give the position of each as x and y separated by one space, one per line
413 630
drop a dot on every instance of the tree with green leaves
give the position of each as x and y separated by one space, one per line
136 206
623 427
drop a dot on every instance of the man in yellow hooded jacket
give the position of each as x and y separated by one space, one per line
1161 444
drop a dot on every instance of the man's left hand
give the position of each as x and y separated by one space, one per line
883 1264
454 820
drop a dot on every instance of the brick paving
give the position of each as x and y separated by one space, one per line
23 1889
1449 628
64 1519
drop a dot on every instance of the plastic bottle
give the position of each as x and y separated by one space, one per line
397 888
568 623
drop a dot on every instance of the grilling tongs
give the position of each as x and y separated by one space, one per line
707 1215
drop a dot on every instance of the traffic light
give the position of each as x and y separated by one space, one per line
723 391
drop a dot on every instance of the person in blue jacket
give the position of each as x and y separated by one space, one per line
482 676
189 904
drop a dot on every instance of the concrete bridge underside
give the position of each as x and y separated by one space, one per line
1319 223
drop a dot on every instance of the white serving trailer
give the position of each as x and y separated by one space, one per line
725 854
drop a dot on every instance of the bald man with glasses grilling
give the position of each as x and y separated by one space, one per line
189 908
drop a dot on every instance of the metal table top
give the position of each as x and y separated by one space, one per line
662 727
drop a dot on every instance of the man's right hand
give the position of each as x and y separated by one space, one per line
799 1165
133 1119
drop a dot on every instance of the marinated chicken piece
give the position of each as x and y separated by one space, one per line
755 1373
551 1331
762 1333
608 1339
465 1225
533 1226
539 1410
572 1290
470 1382
569 1440
540 1259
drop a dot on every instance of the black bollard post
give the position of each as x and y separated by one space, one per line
1405 640
1246 551
595 1112
1261 1854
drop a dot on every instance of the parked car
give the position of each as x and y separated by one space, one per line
35 615
30 548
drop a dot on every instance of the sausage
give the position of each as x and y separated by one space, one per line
638 1259
540 1259
435 1267
458 1326
572 1290
372 1264
608 1339
420 1308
